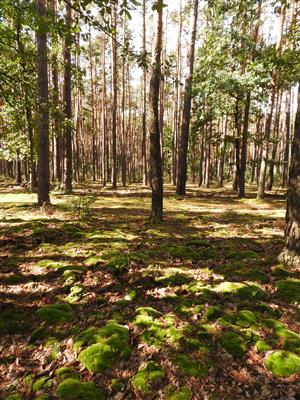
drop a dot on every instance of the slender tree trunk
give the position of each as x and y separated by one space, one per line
268 118
43 122
114 96
144 122
68 101
186 115
275 144
156 179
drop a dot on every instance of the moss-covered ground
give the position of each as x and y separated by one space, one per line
98 303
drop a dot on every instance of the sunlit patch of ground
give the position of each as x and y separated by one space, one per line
98 302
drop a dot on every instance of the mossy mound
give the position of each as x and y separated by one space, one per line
51 264
64 373
180 251
106 345
75 295
14 396
283 363
289 290
93 261
192 367
42 383
245 318
281 272
234 344
262 345
212 313
282 335
55 313
242 255
73 389
176 279
244 290
148 377
183 393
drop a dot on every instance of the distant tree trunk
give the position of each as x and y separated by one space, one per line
156 179
68 101
275 144
114 95
176 99
186 114
144 122
105 155
269 114
43 115
93 109
291 251
18 170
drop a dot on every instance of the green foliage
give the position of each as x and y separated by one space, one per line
73 389
282 363
55 313
147 377
234 344
14 396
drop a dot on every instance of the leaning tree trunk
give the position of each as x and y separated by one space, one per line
68 101
186 114
43 119
156 179
291 251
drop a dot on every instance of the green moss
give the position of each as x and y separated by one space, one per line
280 272
73 389
93 261
245 318
289 290
234 344
14 396
192 367
107 344
55 313
41 383
147 377
71 276
262 346
148 311
66 372
51 264
245 291
42 397
180 251
212 313
173 280
75 295
283 363
242 255
183 393
38 334
118 385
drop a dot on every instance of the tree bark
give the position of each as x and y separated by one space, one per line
68 101
156 179
43 119
114 95
186 114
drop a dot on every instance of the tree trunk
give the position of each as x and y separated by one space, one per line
155 148
144 122
269 114
114 96
291 251
68 101
43 119
186 114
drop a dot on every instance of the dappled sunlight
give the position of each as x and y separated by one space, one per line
198 292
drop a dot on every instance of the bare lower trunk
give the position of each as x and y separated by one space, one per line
155 143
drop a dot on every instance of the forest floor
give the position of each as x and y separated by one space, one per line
98 303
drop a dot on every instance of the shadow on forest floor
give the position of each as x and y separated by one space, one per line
199 302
